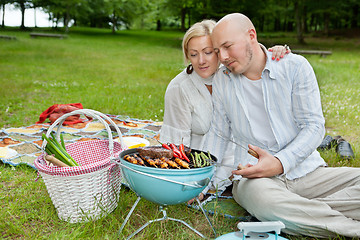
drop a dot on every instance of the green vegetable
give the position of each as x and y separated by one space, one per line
198 159
205 159
203 155
201 159
53 147
193 159
62 140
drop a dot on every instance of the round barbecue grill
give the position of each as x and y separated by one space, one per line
165 186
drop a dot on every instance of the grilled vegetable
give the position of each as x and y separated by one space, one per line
205 158
164 145
201 159
198 160
176 151
182 152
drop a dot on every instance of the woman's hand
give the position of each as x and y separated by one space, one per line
200 197
267 166
279 51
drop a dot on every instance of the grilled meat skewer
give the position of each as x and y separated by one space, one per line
170 163
140 161
130 159
150 161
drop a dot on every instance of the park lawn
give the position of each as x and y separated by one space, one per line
127 73
132 70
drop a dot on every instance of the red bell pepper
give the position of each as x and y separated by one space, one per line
164 145
176 151
182 151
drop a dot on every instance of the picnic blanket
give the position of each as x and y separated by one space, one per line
23 145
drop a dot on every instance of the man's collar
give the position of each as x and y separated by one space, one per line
269 62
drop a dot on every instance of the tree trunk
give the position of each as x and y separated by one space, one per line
284 25
52 20
277 24
354 17
299 27
158 25
261 26
3 16
326 23
189 20
303 19
142 23
67 19
35 17
113 22
57 20
183 15
312 22
22 7
286 18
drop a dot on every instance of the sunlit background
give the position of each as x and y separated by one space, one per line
13 17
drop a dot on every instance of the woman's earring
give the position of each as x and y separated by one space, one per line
189 69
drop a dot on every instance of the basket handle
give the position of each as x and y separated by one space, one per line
95 114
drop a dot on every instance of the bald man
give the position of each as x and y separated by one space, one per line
274 108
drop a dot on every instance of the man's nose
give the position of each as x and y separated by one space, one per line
223 55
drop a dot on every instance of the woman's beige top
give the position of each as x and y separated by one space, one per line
188 110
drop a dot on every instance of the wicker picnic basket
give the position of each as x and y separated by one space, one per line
91 190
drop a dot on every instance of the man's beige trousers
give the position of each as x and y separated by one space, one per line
324 203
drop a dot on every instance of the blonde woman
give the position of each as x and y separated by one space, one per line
188 105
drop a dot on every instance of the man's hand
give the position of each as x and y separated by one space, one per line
267 166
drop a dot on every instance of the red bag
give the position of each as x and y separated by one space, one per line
57 110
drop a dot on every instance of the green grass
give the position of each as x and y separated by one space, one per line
127 73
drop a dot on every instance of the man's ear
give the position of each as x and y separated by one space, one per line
252 33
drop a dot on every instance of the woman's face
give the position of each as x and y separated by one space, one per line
202 56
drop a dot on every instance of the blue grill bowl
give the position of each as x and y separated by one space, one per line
165 186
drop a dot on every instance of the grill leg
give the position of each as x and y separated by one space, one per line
207 218
156 220
129 214
181 221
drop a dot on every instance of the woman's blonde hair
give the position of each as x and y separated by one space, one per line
199 29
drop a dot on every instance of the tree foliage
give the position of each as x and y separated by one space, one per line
267 15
